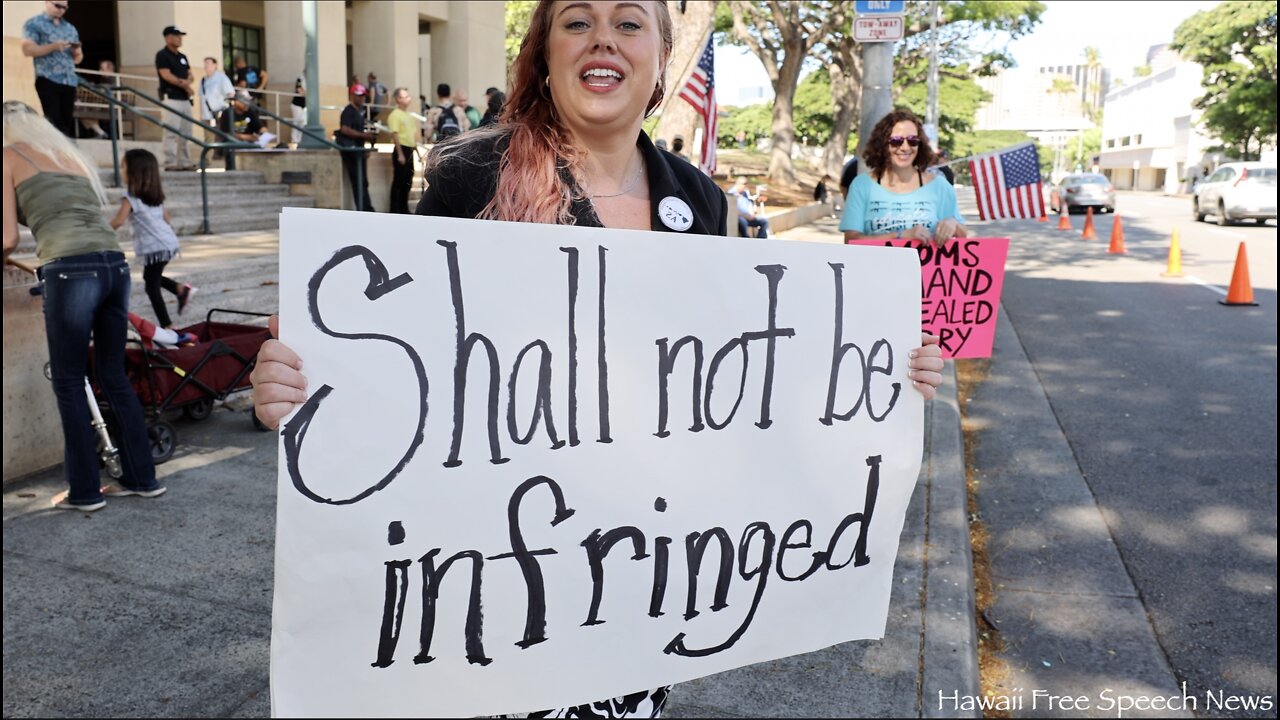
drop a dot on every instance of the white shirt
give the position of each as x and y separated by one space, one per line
214 91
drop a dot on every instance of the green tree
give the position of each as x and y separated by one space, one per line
1235 43
962 26
518 15
814 107
782 35
1142 71
959 97
754 121
1092 61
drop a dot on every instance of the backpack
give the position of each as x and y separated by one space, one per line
447 124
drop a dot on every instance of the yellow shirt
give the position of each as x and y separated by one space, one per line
403 127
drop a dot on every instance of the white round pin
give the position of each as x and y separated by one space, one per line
675 213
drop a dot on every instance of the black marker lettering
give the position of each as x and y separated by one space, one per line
465 344
473 630
380 283
535 626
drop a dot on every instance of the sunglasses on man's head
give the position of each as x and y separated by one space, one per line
897 140
59 6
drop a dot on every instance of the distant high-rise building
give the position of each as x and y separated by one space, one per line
1162 57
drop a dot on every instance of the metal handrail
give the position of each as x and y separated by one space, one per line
357 201
105 92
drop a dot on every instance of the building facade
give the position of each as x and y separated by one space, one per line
410 44
1028 100
1150 139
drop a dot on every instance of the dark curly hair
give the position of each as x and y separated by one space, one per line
876 153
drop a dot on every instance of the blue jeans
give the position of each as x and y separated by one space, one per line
87 294
745 225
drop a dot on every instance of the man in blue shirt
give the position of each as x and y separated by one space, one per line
55 45
747 217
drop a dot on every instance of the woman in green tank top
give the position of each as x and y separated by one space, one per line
50 188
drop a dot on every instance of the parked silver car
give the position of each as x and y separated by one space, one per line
1084 190
1236 191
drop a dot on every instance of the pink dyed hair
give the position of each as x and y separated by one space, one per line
530 186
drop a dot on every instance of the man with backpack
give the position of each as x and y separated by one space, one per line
446 119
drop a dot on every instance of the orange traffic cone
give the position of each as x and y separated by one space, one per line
1064 221
1175 257
1240 292
1117 237
1088 233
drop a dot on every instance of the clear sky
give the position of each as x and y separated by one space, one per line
1122 30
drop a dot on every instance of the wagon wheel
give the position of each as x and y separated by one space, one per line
199 410
164 440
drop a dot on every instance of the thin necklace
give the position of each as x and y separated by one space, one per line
630 186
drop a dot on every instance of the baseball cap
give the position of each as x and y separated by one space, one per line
173 30
243 96
358 89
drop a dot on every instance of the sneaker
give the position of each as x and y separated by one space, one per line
62 502
184 297
121 491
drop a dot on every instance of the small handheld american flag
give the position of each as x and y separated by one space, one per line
700 92
1007 183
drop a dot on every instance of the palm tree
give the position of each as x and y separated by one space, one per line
1092 61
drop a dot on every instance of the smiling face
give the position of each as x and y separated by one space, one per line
604 60
904 155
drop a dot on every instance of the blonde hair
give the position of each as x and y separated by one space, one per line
24 125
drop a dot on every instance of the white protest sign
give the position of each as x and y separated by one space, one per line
542 466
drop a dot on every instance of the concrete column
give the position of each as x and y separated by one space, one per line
467 51
286 44
141 22
384 39
139 31
19 72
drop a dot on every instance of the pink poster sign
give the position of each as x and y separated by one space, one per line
960 285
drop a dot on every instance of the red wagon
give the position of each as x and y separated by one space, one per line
193 376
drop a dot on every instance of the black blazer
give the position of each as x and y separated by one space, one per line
683 199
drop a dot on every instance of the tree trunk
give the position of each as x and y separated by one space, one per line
846 91
781 169
689 31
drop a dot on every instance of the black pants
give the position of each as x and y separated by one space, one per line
58 102
359 195
153 280
401 181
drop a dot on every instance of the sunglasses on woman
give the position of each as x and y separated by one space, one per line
911 140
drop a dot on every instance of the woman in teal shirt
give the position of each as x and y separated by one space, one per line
896 198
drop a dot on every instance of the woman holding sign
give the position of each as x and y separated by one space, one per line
896 198
569 150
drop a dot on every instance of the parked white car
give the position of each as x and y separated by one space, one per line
1236 191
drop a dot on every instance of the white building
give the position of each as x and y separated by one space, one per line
1150 139
1025 100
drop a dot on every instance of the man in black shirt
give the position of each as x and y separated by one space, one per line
247 123
847 175
176 92
248 76
351 133
940 166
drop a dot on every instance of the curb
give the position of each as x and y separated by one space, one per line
949 648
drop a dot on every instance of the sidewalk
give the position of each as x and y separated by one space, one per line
163 606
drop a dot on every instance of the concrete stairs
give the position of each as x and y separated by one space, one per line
238 200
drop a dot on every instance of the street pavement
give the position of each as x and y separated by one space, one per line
1125 465
162 607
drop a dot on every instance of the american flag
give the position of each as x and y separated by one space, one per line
1007 183
700 92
